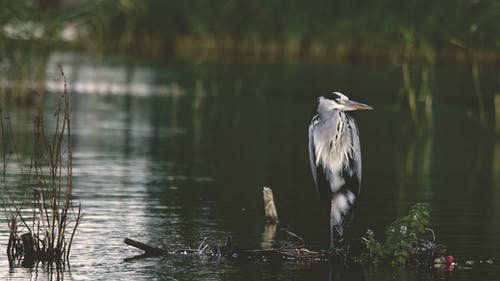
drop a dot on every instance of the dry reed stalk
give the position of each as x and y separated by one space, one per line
38 222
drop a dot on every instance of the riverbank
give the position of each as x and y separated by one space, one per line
207 47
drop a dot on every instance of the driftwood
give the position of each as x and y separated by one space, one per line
217 251
149 251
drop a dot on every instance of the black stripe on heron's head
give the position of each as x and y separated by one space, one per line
332 96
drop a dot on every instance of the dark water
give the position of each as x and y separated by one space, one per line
172 152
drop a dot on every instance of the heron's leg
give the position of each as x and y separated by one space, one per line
332 246
332 224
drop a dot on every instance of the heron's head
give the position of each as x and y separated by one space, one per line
337 100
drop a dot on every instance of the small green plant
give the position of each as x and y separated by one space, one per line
402 238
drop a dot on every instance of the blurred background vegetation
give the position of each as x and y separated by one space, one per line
412 35
383 30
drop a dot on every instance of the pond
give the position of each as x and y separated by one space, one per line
169 152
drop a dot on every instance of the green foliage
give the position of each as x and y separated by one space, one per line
401 239
131 25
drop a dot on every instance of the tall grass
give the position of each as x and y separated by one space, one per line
42 219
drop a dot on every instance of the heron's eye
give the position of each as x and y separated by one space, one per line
339 101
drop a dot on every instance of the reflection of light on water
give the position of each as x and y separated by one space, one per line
88 75
116 205
93 79
268 236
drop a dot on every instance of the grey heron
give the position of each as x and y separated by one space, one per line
335 158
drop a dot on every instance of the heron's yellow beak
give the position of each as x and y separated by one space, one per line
354 105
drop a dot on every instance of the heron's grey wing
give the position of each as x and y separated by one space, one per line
312 150
353 171
318 171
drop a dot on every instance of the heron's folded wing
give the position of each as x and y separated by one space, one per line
312 155
352 172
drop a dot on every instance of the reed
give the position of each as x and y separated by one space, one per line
42 219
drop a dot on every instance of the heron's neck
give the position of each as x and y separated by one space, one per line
326 113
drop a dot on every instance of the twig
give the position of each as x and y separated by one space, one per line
294 236
433 234
77 222
202 244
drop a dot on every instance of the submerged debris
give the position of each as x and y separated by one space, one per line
227 250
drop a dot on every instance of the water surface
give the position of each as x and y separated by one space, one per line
174 151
